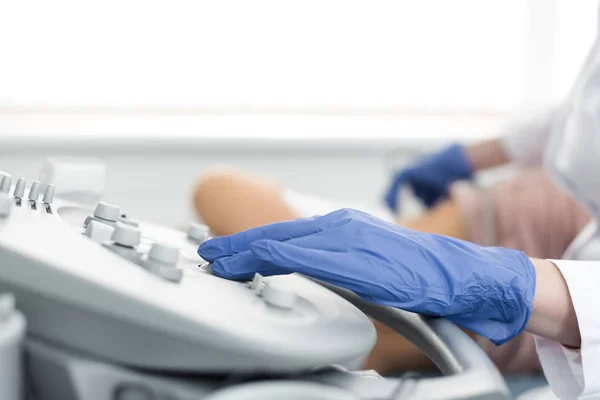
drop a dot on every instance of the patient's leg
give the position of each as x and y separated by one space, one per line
230 201
443 219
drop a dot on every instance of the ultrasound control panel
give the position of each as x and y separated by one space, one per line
98 281
120 308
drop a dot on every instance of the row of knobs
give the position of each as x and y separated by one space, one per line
19 192
162 260
107 224
111 214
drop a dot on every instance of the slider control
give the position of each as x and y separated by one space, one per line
49 197
19 192
5 181
34 193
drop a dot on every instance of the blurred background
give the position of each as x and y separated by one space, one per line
326 96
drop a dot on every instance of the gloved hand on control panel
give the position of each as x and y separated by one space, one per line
486 290
430 177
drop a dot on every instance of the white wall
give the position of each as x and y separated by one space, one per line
152 169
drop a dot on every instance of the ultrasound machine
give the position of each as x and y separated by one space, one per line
96 305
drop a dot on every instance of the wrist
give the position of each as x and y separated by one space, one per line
458 162
487 154
553 315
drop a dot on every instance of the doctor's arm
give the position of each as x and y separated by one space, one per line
431 177
522 142
487 154
492 291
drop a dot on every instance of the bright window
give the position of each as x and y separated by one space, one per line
576 30
263 53
347 57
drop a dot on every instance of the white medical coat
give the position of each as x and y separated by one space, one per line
571 373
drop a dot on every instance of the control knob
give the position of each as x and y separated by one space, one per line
19 192
98 231
5 182
197 232
123 242
162 261
34 191
105 213
277 296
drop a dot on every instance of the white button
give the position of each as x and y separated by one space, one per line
49 194
5 181
126 235
279 297
98 231
197 232
20 188
106 211
34 191
6 203
163 254
7 306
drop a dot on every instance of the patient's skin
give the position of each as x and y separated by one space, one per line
230 201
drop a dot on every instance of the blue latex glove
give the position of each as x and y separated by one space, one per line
430 177
486 290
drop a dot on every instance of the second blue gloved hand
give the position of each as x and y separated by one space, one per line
430 177
486 290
